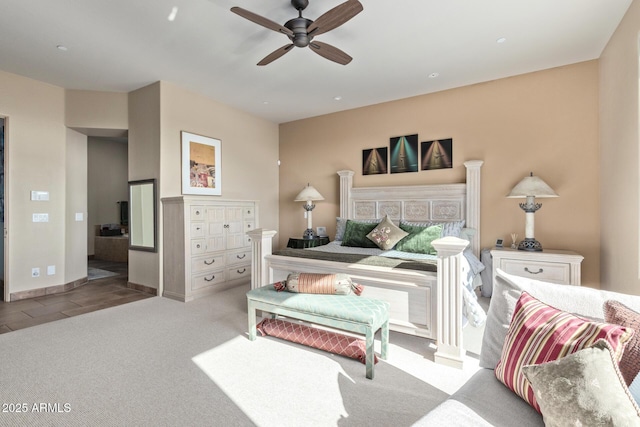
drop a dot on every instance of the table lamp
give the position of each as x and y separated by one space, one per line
530 187
308 195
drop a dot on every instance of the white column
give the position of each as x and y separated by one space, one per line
449 301
473 202
346 184
261 246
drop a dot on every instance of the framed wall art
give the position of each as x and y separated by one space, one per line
201 165
404 153
374 161
436 154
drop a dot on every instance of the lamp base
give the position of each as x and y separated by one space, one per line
309 234
530 244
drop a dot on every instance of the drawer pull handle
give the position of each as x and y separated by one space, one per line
540 270
198 246
212 277
241 257
209 263
240 272
197 212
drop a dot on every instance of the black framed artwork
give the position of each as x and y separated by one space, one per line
374 161
404 153
436 154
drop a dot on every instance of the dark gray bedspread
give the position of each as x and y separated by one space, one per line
427 265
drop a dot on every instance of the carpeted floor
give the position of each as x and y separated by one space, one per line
159 362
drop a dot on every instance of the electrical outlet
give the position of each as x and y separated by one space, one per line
35 272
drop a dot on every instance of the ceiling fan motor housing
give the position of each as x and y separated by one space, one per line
299 27
300 4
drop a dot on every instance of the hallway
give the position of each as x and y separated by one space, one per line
100 292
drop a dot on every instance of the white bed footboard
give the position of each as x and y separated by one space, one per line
422 303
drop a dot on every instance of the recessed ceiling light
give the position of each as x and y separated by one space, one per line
62 47
265 102
501 40
337 98
172 15
433 75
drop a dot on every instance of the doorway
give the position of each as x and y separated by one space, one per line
107 199
4 229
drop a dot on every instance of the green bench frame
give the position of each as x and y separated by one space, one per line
365 322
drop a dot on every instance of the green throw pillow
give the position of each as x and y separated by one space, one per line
419 239
355 234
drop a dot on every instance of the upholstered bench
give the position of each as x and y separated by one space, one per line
347 312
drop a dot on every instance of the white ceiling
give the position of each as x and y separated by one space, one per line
122 45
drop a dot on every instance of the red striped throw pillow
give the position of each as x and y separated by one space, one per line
539 333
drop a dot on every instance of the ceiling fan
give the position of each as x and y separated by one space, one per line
301 31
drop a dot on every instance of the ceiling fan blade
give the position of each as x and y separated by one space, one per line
276 54
261 20
335 17
331 53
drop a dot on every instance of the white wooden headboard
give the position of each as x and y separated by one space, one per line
437 202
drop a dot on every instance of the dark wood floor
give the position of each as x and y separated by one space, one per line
99 293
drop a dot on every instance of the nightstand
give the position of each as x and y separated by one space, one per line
307 243
562 267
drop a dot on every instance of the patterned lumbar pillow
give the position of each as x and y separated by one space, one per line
620 314
316 283
330 341
539 333
386 234
585 388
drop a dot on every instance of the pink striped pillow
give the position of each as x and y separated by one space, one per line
539 333
316 283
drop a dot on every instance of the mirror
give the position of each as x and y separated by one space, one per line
142 215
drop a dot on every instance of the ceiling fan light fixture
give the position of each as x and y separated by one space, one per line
301 31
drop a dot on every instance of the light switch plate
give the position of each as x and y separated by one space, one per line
40 196
40 217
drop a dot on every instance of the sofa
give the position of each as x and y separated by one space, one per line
484 400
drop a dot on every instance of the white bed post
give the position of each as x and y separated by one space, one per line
261 246
346 184
449 301
473 202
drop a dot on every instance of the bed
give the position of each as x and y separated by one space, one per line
430 302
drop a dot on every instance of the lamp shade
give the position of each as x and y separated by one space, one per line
531 186
308 193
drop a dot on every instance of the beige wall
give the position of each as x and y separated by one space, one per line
545 122
36 147
76 202
249 149
619 157
95 111
144 163
157 115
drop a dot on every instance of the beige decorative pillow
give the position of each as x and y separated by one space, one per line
386 234
584 388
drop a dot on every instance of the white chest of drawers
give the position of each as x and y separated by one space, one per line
562 267
206 248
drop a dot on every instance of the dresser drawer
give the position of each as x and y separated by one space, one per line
239 272
197 229
540 270
239 257
207 280
212 262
